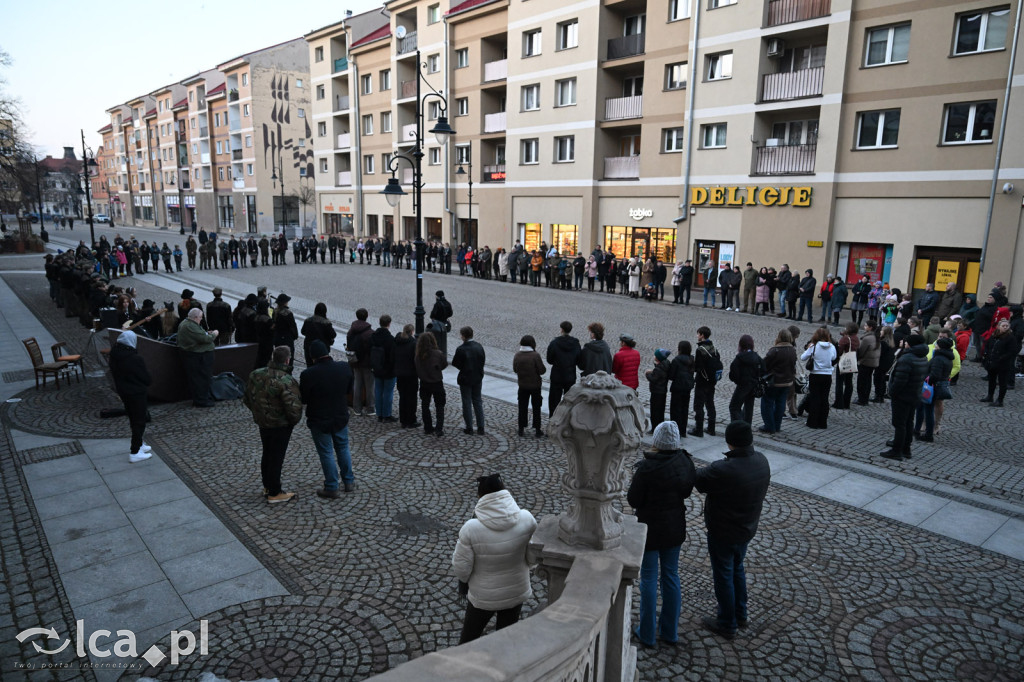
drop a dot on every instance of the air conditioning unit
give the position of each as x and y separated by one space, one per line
773 142
775 47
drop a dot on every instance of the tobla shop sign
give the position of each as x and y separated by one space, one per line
751 195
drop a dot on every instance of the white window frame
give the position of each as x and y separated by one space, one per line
714 129
434 156
528 151
318 54
433 111
983 32
565 149
883 116
385 122
972 113
220 147
249 168
462 106
462 153
678 9
368 164
715 4
245 110
367 126
324 166
433 63
527 93
674 135
385 80
321 129
565 92
567 35
321 91
433 14
718 66
366 84
245 79
531 43
890 41
248 141
675 85
302 113
462 58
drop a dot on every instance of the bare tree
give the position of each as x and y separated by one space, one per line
306 196
18 171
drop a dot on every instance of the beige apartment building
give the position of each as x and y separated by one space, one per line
859 138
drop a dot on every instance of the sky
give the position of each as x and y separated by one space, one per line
73 60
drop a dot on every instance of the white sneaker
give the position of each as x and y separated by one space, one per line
146 448
140 456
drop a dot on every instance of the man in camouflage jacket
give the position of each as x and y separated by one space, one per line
272 395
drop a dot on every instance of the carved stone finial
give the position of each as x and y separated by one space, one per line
599 423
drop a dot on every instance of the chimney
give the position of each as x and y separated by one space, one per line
69 153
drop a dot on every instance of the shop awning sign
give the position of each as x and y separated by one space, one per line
751 195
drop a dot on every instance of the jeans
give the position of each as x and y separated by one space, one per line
577 281
331 462
925 415
773 407
384 392
472 402
806 303
741 406
275 443
730 580
713 292
667 560
782 302
362 381
477 619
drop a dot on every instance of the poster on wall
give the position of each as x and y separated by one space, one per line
866 259
726 254
946 271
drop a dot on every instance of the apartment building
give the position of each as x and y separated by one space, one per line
861 138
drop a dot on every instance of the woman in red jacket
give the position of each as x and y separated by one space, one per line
626 362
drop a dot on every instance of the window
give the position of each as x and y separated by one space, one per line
434 111
385 121
715 4
321 129
318 54
193 123
368 164
248 169
462 106
981 31
634 25
367 84
435 156
462 58
245 110
531 97
462 154
565 92
888 45
220 173
531 43
969 122
713 136
433 62
302 113
568 34
719 66
323 165
368 124
385 80
433 14
219 148
321 92
245 79
672 139
678 9
248 140
876 129
191 93
565 149
385 162
528 151
675 76
298 82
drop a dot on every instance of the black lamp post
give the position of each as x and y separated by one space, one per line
461 171
87 163
393 192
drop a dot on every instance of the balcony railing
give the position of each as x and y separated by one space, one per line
407 44
236 154
496 71
794 159
342 102
618 108
407 89
626 46
494 173
495 123
407 176
344 178
204 158
408 134
204 132
788 11
239 184
185 184
340 64
792 85
207 184
183 161
344 140
621 167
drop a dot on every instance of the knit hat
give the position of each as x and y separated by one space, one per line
318 349
738 434
283 298
128 338
661 355
944 342
666 437
489 484
915 340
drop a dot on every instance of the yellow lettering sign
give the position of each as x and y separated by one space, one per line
816 245
767 196
733 200
751 195
784 196
717 196
698 195
801 196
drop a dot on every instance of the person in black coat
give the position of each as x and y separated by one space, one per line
382 364
1001 350
905 384
563 353
317 327
595 356
469 359
405 374
285 329
657 379
680 373
746 368
263 328
939 369
658 492
131 379
325 387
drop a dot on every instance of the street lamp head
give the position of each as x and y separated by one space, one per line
461 171
442 131
393 192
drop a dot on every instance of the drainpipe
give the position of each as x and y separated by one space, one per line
353 87
690 95
1002 137
447 148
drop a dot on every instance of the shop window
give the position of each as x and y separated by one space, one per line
565 239
530 233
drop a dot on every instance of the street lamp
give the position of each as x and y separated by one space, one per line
87 163
393 191
461 171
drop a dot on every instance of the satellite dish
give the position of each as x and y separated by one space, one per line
400 32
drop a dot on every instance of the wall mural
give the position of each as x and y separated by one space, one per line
275 145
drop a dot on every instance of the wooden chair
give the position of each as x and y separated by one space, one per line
45 369
74 361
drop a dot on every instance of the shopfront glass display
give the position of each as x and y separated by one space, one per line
565 238
626 242
530 233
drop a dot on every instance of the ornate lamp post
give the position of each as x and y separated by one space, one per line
393 192
462 172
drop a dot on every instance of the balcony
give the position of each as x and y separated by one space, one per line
342 102
787 11
794 159
778 87
344 178
494 173
496 71
239 184
344 141
179 136
207 184
619 108
621 167
407 89
626 46
185 184
495 123
233 96
407 44
236 154
407 174
340 64
204 132
408 134
182 162
142 187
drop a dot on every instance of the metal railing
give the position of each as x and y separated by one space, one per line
496 71
207 184
407 89
233 96
792 85
204 132
618 108
788 11
236 154
621 167
344 140
342 102
626 46
489 170
408 134
407 44
495 123
793 159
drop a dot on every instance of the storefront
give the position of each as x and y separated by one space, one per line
190 210
531 235
173 209
337 218
941 266
857 260
565 238
626 241
721 254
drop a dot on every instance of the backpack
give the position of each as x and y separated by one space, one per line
711 371
447 307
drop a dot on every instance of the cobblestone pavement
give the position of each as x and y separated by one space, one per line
836 593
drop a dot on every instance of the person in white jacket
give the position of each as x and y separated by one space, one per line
491 556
